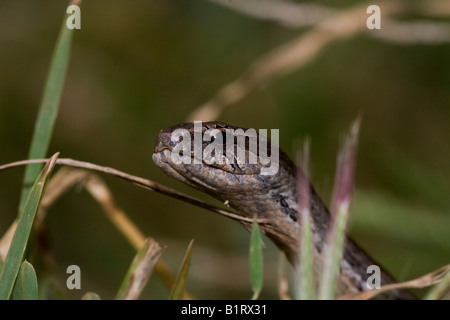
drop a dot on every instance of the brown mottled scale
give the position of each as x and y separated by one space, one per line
273 197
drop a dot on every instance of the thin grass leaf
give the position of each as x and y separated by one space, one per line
333 256
14 258
26 286
439 290
305 283
435 277
91 296
180 282
48 109
139 271
340 211
49 290
256 260
1 263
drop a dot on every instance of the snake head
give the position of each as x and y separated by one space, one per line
216 157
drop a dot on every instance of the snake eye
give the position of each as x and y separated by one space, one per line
220 136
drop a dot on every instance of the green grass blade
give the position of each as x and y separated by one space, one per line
305 283
48 109
139 271
26 287
180 282
91 296
340 211
333 256
49 291
256 260
16 251
439 290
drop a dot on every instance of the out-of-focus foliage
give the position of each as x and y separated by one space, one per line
139 67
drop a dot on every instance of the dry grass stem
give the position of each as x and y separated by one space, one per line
67 178
328 26
427 280
283 283
144 183
142 271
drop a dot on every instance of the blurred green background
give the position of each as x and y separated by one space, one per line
141 66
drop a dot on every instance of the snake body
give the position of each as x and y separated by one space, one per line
272 197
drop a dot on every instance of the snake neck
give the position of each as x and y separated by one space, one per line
277 200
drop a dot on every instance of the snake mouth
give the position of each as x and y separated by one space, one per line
160 159
179 171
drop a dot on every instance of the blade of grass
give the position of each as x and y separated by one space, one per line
139 271
180 282
440 289
435 277
340 211
51 290
48 109
101 193
256 260
15 254
305 268
333 256
91 296
26 287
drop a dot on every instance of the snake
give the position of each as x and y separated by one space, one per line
273 197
